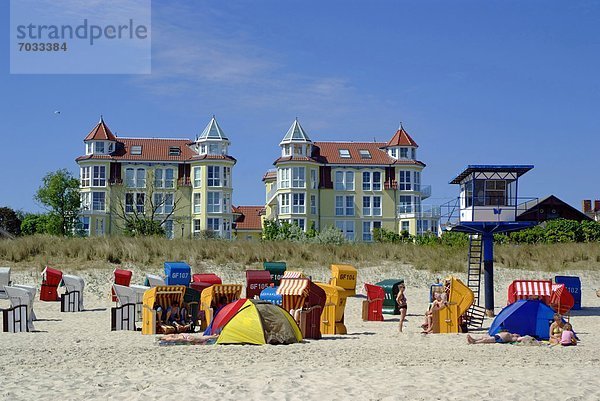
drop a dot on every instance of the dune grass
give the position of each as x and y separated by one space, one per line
80 253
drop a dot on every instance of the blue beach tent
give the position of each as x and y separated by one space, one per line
524 317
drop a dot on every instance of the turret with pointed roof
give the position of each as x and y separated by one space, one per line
212 140
296 142
100 140
402 146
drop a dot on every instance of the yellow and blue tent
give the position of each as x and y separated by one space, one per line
259 322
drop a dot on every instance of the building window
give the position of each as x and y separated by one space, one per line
84 226
425 225
284 203
85 199
197 226
163 178
298 205
368 227
376 181
163 203
99 148
135 178
344 153
174 151
495 192
197 203
413 153
214 176
135 202
226 203
99 201
404 153
88 148
226 233
371 205
347 228
197 177
405 226
300 223
287 151
394 153
85 176
366 206
213 149
213 225
136 150
366 181
284 178
314 183
313 204
377 206
99 176
100 227
405 180
419 227
298 180
417 180
168 227
344 180
344 205
226 176
213 204
405 204
364 154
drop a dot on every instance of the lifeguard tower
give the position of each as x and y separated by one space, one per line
488 204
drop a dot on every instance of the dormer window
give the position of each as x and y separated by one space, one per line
99 148
136 150
344 153
394 153
202 149
174 151
111 147
404 153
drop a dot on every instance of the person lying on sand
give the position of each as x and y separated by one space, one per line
501 338
183 338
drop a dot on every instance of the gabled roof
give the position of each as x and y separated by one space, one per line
100 132
270 175
296 134
401 138
329 153
538 209
212 131
249 217
152 150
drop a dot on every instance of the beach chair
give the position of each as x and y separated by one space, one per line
14 319
201 281
51 278
152 280
562 300
161 296
459 299
344 276
305 301
256 281
72 299
191 300
20 300
373 306
210 296
32 291
128 311
332 315
122 277
530 289
4 281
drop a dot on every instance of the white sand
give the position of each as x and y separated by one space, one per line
76 356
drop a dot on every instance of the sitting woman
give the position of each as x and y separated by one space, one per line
161 322
556 329
438 303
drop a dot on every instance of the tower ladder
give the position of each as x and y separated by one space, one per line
476 313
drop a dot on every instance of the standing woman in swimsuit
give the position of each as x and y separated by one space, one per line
402 306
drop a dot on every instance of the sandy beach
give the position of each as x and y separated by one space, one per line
75 356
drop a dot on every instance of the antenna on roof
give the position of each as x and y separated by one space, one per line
101 119
400 127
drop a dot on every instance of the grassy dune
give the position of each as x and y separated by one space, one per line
77 253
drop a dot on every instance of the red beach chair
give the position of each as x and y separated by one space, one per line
374 303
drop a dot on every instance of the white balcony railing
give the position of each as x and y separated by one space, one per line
419 211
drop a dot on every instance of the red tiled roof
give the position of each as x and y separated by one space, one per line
295 159
330 154
100 133
249 217
401 138
154 149
270 175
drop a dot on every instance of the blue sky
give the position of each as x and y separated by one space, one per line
472 82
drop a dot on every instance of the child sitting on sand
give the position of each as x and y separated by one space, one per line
438 303
567 336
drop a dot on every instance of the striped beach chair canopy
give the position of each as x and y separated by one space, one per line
562 300
530 289
294 292
293 274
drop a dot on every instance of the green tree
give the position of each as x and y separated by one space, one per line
59 193
10 221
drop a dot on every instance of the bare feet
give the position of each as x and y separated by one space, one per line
470 339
